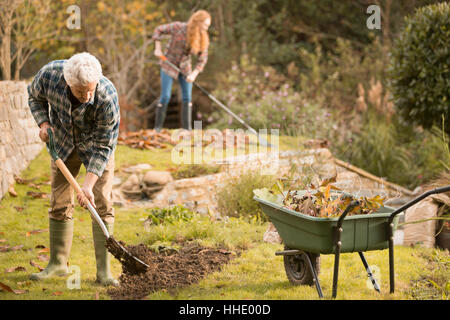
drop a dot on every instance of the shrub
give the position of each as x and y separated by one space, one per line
235 197
170 215
420 71
265 99
194 170
331 79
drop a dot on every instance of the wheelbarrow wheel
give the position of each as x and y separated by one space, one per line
298 270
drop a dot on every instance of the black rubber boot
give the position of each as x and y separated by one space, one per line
186 119
161 110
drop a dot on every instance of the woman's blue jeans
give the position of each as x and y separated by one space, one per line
166 92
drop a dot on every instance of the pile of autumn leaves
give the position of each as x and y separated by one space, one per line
327 201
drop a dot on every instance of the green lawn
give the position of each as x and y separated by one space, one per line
256 274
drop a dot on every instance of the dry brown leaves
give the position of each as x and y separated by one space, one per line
146 139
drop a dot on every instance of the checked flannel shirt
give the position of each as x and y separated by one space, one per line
177 49
92 127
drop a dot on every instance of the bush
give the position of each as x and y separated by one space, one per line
169 215
420 71
194 170
401 153
235 197
265 99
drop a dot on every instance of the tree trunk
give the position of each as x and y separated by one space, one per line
5 54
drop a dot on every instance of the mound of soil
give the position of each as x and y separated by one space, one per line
168 271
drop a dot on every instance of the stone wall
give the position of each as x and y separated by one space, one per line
199 193
19 139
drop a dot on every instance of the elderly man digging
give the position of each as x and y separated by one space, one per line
80 105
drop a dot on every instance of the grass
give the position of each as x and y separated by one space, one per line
259 274
161 159
254 274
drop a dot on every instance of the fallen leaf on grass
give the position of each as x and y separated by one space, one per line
14 269
43 257
44 250
12 192
37 195
19 180
57 293
32 185
29 233
20 291
3 240
19 209
34 264
6 288
8 248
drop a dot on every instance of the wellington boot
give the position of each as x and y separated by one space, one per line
186 116
160 116
61 234
102 256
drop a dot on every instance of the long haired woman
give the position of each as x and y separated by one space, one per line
186 39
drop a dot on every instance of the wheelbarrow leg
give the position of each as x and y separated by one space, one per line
336 261
391 259
336 270
337 236
369 272
316 279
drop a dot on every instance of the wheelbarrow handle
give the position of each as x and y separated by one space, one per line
347 210
419 198
63 168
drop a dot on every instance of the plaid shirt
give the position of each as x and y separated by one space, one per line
177 49
92 128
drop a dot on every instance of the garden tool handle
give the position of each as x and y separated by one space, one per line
61 165
262 140
63 168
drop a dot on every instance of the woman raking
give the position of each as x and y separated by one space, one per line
186 39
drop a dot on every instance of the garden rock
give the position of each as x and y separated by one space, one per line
138 168
157 178
131 188
132 183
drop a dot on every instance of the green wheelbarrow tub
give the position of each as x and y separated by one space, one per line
317 235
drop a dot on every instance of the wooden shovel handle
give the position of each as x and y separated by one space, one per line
62 167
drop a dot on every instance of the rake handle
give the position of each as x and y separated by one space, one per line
262 140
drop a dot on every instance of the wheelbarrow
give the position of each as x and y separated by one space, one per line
306 238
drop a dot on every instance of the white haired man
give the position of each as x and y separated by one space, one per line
84 117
